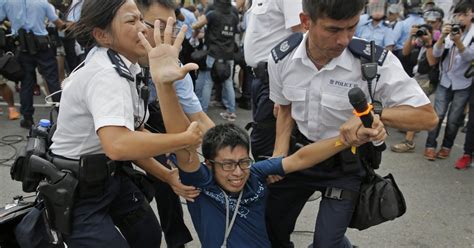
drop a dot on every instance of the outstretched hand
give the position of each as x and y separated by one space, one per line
163 58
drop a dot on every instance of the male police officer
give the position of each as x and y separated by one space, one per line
27 18
269 22
310 79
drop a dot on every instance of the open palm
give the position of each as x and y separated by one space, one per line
163 58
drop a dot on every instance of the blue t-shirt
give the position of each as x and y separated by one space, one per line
185 92
208 210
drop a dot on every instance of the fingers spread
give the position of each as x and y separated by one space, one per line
168 31
157 33
180 37
144 42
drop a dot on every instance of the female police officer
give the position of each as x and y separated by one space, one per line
100 113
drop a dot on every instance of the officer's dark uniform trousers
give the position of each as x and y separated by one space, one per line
287 198
47 65
123 205
263 130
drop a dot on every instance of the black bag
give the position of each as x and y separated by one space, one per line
220 71
199 57
380 200
10 68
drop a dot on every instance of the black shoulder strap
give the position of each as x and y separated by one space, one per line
120 66
286 46
361 49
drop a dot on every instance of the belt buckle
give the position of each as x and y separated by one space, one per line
333 193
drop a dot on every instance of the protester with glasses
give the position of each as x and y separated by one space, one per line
229 211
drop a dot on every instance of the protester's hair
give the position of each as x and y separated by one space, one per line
222 136
95 14
463 6
334 9
145 4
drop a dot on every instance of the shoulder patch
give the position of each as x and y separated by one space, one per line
119 65
286 46
361 49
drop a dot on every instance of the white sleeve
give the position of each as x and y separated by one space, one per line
395 87
114 108
276 85
291 11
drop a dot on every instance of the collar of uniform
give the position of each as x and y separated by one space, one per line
133 68
344 60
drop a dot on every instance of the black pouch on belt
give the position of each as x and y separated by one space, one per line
94 173
43 42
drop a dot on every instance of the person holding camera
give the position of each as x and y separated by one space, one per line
419 49
455 50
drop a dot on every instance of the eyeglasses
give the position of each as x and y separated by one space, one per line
174 32
230 165
432 15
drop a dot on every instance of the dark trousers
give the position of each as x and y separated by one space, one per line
263 134
333 217
170 212
247 83
451 103
48 68
123 205
469 142
72 59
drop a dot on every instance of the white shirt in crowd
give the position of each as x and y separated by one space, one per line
269 22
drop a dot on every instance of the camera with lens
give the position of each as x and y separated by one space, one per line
455 28
423 30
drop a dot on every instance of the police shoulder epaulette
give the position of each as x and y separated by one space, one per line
119 65
361 49
286 46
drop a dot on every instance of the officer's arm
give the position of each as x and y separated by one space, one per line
406 117
171 177
284 127
312 154
119 143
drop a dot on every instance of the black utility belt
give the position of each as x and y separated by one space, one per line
93 171
261 71
31 43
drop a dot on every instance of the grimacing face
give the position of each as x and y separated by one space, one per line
231 181
125 27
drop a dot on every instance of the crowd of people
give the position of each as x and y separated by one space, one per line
164 62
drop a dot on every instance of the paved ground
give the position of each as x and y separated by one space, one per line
440 199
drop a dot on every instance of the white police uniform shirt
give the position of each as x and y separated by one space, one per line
269 22
95 96
318 98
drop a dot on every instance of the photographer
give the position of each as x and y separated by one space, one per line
418 48
455 50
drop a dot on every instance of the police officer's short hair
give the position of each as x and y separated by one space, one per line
222 136
145 4
334 9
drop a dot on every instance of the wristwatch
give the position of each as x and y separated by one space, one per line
378 108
